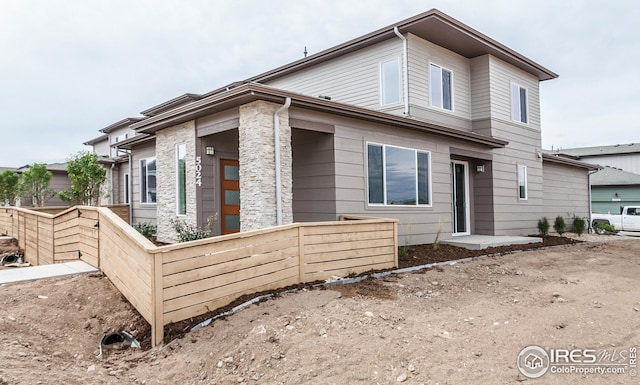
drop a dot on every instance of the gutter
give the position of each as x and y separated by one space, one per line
276 139
405 65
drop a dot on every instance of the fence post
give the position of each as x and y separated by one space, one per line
301 257
157 310
395 243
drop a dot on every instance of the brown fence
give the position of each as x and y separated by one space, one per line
177 282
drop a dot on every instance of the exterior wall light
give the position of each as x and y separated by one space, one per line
210 150
480 168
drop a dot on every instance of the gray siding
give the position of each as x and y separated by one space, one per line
480 88
566 192
626 162
423 53
314 176
353 78
604 199
142 212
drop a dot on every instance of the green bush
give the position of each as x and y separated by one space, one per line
187 232
579 225
605 228
559 226
146 229
543 226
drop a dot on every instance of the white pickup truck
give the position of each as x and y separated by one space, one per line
627 220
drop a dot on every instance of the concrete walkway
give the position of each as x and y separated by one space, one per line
480 242
17 274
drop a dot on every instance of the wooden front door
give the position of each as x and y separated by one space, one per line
230 196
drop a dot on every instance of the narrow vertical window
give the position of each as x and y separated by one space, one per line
518 103
126 188
148 180
181 179
441 87
522 182
390 82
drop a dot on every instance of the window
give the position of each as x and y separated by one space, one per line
518 103
522 182
181 179
148 180
441 95
390 82
398 176
126 188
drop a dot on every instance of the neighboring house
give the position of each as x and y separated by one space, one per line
427 120
612 188
59 181
621 156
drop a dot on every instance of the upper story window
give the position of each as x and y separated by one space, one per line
398 176
148 180
522 182
441 85
519 103
390 82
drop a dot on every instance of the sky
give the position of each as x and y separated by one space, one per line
69 68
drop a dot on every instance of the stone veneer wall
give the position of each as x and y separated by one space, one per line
257 166
166 141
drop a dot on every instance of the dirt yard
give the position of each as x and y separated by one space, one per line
457 324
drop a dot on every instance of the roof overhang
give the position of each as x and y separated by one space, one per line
135 140
569 162
251 92
94 141
121 124
434 26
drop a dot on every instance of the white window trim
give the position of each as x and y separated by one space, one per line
152 158
178 180
381 83
453 104
526 89
522 168
384 176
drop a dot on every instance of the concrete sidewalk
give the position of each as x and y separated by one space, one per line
17 274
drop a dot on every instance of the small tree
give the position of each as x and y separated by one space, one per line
543 226
87 177
36 181
9 187
559 226
579 225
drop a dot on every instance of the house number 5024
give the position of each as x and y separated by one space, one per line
198 171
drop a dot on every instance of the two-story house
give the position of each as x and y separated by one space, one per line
427 120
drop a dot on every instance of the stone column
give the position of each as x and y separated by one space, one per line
166 141
257 166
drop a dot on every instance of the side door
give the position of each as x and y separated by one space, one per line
631 219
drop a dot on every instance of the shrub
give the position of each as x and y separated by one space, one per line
187 232
543 226
559 226
605 228
579 225
146 229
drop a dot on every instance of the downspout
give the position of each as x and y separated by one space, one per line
113 165
590 206
130 189
405 65
276 139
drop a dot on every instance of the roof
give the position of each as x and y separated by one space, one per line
610 176
170 104
434 26
568 162
94 141
250 92
50 167
126 122
601 150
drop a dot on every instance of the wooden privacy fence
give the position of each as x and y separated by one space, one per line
176 282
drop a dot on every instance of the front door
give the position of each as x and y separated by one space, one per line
230 196
460 197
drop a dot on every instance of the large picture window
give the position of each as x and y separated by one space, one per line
181 179
441 95
398 176
522 182
148 180
519 103
390 82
